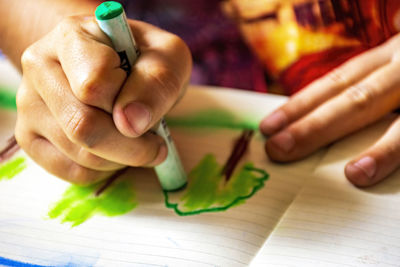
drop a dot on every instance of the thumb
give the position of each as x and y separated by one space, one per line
156 82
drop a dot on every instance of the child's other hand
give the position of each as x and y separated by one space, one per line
76 115
356 94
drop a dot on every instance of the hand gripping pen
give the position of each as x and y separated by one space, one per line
112 21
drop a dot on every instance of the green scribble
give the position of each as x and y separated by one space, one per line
208 191
12 167
78 203
214 118
7 99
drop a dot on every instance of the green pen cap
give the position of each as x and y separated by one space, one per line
108 10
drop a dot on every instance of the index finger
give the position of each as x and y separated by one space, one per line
358 106
91 65
325 88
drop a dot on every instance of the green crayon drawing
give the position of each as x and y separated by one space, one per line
214 118
11 168
78 203
208 191
7 99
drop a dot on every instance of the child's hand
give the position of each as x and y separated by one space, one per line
354 95
76 115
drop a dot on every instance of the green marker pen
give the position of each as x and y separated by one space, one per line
112 21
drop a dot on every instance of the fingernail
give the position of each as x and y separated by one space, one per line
367 165
161 156
284 141
274 122
138 116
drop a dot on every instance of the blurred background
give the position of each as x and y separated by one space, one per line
276 46
271 45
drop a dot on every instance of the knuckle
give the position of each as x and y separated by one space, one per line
89 91
337 76
360 96
29 58
80 127
93 83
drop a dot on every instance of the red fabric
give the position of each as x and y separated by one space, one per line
313 66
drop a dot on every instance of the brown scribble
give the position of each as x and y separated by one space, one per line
238 151
11 148
110 181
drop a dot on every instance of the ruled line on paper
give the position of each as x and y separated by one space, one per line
358 220
299 257
220 226
155 246
333 226
320 258
184 233
357 199
118 259
312 223
295 238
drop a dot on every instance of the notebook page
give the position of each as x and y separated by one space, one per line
332 223
152 234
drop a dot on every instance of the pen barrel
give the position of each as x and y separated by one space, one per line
118 30
112 21
171 173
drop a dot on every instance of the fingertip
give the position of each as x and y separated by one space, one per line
122 123
138 116
273 123
280 147
264 128
132 120
356 176
362 172
274 153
